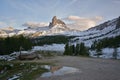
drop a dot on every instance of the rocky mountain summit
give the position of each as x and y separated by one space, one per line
56 21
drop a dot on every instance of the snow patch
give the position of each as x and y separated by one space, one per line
106 53
53 47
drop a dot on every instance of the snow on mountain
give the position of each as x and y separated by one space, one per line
107 29
3 33
55 27
8 31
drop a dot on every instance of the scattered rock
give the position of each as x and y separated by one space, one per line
29 56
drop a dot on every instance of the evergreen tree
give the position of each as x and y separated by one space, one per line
69 50
98 49
118 23
77 49
115 53
66 52
11 44
83 50
73 50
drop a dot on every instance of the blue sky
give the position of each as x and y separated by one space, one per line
17 12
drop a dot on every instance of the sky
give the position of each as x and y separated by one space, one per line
78 14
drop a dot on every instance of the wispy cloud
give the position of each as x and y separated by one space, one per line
7 22
35 24
82 23
71 2
21 6
116 1
3 24
33 5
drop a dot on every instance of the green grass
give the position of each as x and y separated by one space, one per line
27 70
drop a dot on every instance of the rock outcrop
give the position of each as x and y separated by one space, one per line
56 21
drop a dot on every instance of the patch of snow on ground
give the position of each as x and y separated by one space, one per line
53 47
15 77
92 53
118 51
6 57
107 53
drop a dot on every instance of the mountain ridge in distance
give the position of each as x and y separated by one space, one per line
57 27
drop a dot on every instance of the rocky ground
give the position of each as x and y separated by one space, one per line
90 68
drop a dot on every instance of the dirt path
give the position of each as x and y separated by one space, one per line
90 68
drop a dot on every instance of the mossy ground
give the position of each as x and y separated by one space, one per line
25 70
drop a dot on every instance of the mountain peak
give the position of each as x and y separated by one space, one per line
56 21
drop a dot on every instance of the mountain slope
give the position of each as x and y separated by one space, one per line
57 26
108 29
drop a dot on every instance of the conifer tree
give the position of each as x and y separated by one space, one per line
77 49
118 23
83 50
11 44
66 52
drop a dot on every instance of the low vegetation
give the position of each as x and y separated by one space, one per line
23 70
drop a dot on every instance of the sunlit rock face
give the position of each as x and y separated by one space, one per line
56 21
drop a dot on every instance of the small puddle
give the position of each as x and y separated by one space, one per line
58 70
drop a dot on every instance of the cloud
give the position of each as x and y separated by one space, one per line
35 24
3 24
71 2
7 22
82 23
116 1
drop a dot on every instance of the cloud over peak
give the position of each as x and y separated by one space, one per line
35 24
82 23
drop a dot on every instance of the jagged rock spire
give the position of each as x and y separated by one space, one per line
56 21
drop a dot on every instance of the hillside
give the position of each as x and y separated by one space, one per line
58 33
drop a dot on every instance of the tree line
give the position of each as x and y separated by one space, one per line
78 50
56 39
113 42
11 44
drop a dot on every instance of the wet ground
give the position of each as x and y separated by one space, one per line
90 68
58 70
